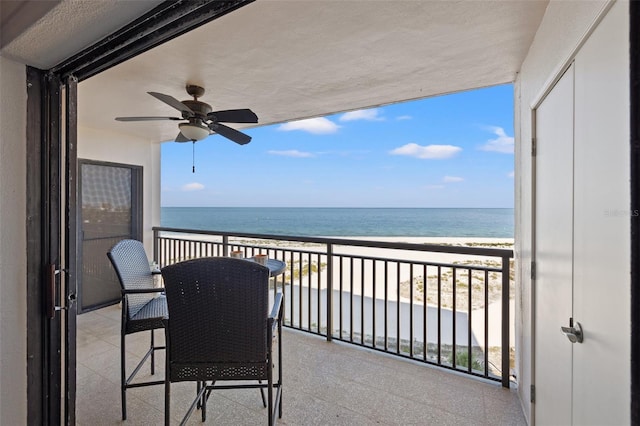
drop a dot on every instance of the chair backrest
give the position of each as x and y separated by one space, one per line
218 309
130 261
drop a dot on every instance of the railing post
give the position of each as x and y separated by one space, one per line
155 246
225 245
506 320
329 292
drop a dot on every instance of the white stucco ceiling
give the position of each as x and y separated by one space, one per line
69 27
304 58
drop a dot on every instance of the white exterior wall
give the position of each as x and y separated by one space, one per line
114 147
13 244
565 27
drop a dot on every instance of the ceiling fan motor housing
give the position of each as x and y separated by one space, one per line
200 108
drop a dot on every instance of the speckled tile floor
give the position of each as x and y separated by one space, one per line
324 384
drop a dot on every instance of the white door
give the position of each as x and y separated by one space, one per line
554 253
582 235
602 210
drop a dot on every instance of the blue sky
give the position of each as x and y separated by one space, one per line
448 151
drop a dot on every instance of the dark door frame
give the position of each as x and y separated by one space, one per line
50 156
48 385
43 338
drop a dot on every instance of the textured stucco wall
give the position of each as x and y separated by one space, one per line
13 244
114 147
564 28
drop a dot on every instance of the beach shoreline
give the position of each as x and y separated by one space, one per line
475 241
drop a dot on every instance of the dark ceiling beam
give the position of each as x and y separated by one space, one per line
168 20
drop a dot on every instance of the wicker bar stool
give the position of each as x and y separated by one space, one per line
220 329
143 307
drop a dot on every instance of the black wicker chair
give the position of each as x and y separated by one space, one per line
143 307
220 329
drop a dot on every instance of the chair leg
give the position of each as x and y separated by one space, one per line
280 399
270 384
199 405
153 356
123 389
264 400
280 366
123 378
270 397
279 390
167 402
203 402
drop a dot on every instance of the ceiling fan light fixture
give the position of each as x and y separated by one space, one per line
194 132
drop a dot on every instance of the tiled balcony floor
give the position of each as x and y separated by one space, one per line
324 384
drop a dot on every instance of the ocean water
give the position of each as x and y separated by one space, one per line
345 222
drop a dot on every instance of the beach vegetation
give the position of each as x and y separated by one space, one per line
479 284
498 244
296 269
462 361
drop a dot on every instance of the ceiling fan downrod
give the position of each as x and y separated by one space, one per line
195 91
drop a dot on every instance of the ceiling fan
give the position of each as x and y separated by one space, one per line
201 120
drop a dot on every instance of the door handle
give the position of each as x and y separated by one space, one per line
51 295
573 332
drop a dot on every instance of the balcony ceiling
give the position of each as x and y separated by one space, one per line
290 60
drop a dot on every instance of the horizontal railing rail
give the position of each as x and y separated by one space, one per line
451 312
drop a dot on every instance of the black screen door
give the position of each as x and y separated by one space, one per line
111 210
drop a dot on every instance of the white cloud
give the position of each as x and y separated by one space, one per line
193 186
511 174
432 152
450 179
502 144
404 117
362 114
292 153
318 125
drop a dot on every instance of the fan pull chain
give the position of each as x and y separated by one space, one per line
193 158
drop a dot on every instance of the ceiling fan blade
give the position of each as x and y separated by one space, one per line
182 138
147 118
233 116
229 133
171 101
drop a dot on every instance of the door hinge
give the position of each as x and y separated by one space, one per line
533 393
534 147
533 270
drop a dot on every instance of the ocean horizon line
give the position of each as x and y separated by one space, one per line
335 207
